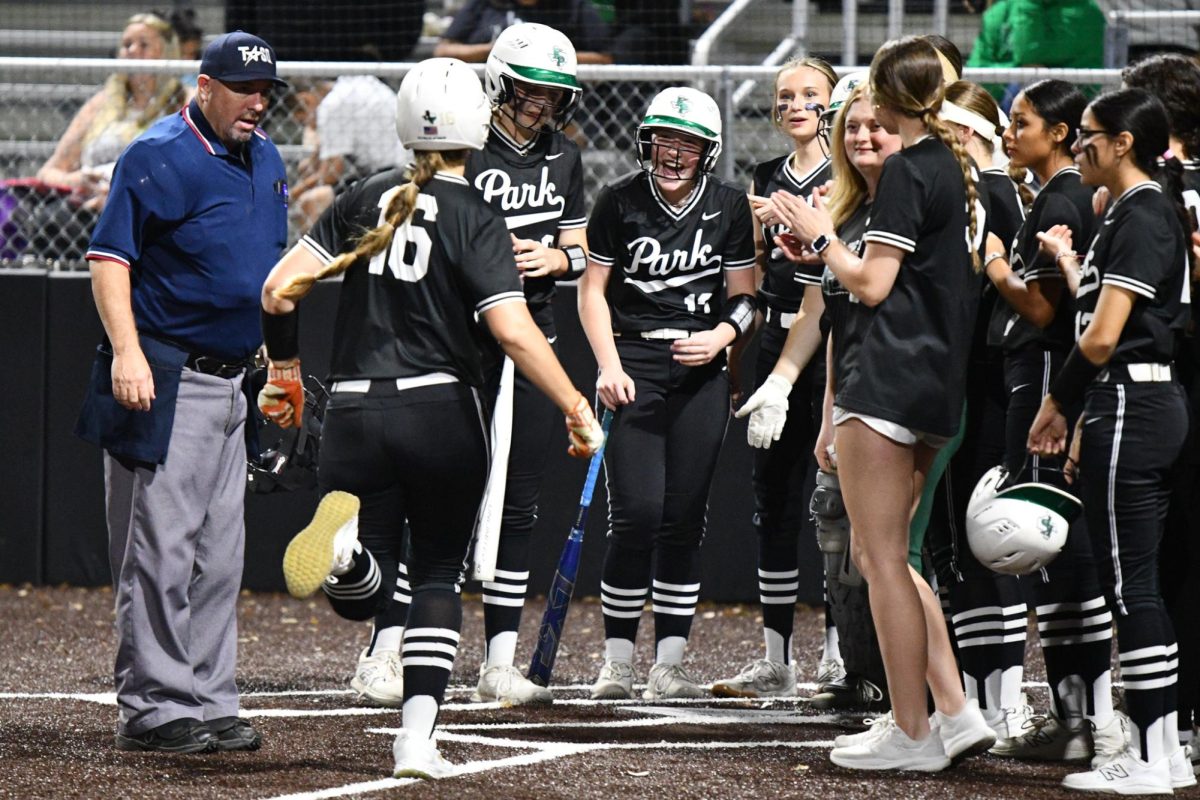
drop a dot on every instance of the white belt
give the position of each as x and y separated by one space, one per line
1141 373
659 334
784 318
364 386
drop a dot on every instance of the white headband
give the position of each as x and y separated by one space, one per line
962 116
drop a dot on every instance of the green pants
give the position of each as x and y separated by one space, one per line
920 520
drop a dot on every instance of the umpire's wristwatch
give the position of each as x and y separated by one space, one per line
821 242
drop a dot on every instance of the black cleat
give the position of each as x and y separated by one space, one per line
233 733
177 736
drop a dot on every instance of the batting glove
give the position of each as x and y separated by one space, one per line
583 430
767 408
282 399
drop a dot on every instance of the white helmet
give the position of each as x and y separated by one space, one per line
535 54
441 106
688 111
1017 529
838 97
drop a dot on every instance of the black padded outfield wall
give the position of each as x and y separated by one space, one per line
52 501
23 378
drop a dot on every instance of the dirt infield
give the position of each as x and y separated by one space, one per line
57 718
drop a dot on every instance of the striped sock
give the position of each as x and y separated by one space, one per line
503 601
353 594
430 645
777 591
1077 647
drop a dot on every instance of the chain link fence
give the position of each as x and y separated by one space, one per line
44 224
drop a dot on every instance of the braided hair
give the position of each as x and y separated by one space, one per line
425 165
906 76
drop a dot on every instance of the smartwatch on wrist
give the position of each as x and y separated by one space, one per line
820 243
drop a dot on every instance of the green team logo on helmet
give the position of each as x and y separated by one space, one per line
559 57
681 105
429 117
1047 526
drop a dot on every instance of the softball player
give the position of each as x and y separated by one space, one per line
1131 308
1031 324
668 287
788 294
913 322
404 430
532 174
1175 80
859 147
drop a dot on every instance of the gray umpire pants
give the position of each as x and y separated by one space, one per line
176 535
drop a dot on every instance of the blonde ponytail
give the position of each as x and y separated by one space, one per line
939 129
426 164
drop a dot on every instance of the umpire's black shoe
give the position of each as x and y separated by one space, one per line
176 736
235 734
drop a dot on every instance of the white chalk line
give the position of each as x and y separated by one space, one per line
539 752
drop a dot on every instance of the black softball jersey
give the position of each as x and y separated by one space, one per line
537 187
784 280
1064 200
911 366
835 320
410 310
669 263
1141 248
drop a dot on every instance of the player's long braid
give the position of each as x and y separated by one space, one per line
907 76
425 165
939 129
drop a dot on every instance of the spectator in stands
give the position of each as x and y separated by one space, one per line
125 107
479 22
1035 33
191 40
356 136
189 34
331 30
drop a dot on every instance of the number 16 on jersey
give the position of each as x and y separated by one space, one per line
558 599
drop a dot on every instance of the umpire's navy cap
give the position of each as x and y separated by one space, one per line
240 56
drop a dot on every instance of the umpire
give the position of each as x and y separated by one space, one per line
196 217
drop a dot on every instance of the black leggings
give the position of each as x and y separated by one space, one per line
659 466
418 454
1132 437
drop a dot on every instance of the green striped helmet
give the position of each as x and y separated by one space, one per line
538 55
687 110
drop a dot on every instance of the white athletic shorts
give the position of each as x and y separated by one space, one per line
897 433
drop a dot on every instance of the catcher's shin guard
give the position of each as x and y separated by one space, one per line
848 599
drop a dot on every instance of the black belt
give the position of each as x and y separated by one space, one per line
211 365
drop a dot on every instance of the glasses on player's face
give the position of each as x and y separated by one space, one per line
1083 135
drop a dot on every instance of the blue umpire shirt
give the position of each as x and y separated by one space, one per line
199 228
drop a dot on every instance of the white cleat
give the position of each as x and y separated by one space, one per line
760 679
325 547
892 749
670 682
379 679
1180 765
507 686
966 733
615 681
875 727
419 758
1009 724
1127 774
1110 741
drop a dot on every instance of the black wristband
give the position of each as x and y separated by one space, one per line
1072 380
576 259
739 312
281 334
